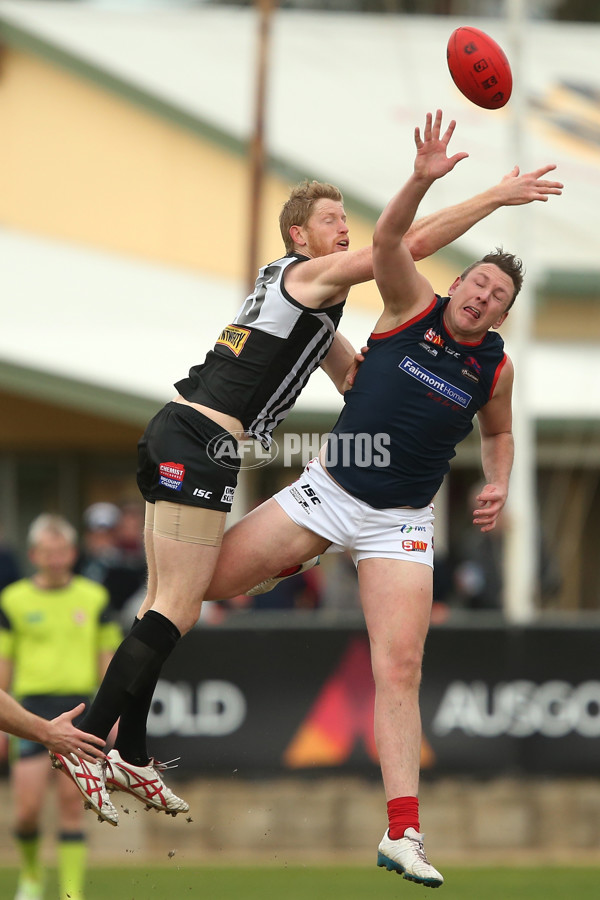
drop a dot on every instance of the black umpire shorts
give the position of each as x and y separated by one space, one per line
185 457
48 706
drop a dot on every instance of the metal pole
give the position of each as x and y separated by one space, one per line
257 144
521 536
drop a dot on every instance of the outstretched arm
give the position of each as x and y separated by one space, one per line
402 288
342 362
431 233
59 735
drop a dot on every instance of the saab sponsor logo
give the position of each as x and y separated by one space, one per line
471 369
228 495
520 709
414 546
234 337
440 385
434 338
171 475
200 492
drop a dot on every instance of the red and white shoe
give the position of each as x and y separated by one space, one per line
144 783
89 779
269 583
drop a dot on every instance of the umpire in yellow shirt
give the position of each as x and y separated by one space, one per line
56 640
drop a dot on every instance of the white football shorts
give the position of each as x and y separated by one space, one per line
317 502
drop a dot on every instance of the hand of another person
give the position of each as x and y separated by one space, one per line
63 737
359 358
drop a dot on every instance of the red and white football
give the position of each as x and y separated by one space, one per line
479 68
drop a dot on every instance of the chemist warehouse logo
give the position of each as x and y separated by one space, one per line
171 475
445 388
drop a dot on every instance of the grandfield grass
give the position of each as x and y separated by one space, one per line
171 882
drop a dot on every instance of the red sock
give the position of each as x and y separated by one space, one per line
403 813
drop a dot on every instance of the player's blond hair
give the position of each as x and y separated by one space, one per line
508 263
298 208
49 523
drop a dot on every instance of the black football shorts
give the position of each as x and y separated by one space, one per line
185 457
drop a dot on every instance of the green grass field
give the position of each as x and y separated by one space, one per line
171 882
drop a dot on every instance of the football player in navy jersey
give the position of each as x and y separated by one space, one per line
433 364
247 384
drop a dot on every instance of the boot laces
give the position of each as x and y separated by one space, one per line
163 766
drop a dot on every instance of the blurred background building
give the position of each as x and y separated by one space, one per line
127 169
146 150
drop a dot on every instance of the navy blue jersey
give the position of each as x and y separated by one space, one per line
413 401
261 362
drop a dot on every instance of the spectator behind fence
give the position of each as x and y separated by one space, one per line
10 568
340 591
113 552
302 592
56 641
99 545
479 571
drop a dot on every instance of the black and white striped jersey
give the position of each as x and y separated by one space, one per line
261 362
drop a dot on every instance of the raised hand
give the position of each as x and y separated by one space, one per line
516 189
432 160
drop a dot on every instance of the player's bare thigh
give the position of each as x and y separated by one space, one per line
396 597
265 541
182 544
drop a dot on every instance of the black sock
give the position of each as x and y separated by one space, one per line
131 736
133 671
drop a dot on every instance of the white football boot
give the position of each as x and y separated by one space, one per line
270 583
90 781
407 857
144 783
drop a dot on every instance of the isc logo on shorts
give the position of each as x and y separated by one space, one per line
171 475
234 337
200 492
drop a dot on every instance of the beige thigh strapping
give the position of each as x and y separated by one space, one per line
180 522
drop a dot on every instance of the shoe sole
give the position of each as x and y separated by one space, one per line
392 866
57 763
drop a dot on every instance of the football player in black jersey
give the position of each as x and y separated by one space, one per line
249 381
